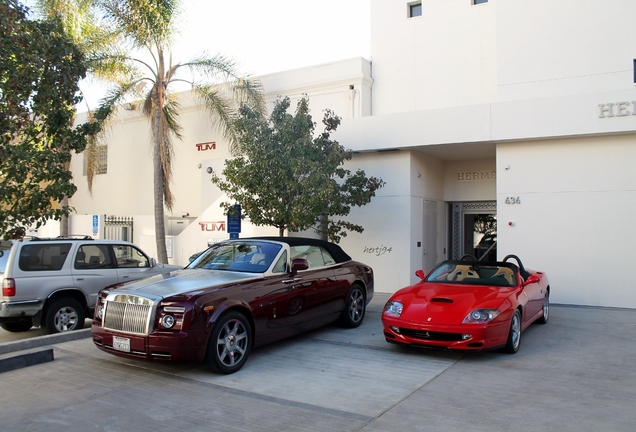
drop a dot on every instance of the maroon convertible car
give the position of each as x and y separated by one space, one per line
238 294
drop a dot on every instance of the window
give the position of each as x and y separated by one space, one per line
92 257
129 256
43 257
316 256
476 2
415 9
99 154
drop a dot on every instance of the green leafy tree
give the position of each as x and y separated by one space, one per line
40 68
79 20
285 177
136 63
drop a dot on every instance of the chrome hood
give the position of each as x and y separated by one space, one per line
182 281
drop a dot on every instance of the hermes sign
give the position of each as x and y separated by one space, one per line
476 175
617 109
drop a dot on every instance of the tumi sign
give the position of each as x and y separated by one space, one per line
617 109
206 146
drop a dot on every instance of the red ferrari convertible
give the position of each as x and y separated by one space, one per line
468 305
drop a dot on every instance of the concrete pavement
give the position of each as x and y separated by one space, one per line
574 374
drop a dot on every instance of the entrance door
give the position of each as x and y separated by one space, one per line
474 230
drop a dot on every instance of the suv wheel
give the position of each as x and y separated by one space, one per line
64 315
17 327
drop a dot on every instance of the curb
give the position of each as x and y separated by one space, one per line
36 357
40 341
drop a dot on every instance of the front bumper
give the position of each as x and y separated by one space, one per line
169 347
467 337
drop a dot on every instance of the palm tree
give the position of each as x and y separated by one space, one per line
139 67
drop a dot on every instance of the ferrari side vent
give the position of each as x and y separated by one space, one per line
441 300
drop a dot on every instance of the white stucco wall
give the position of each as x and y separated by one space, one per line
445 57
574 219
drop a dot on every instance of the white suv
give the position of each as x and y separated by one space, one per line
54 283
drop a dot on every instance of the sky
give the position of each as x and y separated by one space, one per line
266 36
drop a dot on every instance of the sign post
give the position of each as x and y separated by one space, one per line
234 221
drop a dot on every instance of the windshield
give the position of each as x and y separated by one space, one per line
461 272
243 256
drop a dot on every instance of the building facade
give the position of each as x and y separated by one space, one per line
471 112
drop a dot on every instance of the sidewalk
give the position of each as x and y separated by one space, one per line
574 374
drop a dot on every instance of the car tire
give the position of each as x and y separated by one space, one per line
230 343
546 309
18 327
514 334
354 308
65 314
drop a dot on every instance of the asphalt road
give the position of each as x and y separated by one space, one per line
574 374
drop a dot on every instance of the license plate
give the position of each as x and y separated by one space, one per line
121 344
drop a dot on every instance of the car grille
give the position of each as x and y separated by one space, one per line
126 317
429 335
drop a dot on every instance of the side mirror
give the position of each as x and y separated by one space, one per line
420 274
153 262
532 279
299 264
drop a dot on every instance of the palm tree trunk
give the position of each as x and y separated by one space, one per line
160 227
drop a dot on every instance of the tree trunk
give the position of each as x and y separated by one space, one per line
160 226
324 226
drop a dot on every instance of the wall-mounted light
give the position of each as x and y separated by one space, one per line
507 167
209 170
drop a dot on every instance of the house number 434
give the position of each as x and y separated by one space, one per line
513 200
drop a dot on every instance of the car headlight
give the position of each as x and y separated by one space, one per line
171 317
393 309
167 321
481 316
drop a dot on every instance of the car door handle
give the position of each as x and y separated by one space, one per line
80 279
287 281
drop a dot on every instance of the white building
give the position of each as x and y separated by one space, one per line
523 110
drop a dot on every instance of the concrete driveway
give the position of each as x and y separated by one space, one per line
574 374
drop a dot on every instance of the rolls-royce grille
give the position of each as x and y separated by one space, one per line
126 317
435 336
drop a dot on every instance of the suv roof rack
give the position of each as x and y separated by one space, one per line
71 237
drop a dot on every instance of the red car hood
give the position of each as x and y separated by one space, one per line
441 303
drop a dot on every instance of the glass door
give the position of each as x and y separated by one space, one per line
474 230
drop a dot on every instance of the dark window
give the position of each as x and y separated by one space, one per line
476 2
415 9
43 257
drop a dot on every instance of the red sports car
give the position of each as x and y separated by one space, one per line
468 305
238 294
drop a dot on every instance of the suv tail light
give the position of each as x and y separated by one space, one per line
8 287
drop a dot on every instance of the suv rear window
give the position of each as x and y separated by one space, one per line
43 257
4 256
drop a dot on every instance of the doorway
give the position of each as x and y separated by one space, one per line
474 230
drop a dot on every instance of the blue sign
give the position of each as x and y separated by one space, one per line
95 224
234 235
234 220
